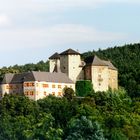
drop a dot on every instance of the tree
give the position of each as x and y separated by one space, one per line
84 129
84 88
68 93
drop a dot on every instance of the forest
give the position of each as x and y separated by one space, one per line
111 115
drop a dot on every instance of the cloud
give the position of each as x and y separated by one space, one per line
4 20
73 33
61 34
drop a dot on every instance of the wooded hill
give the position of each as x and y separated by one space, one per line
111 115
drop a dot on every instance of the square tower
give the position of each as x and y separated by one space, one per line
71 64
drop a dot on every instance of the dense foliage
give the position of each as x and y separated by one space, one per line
111 115
127 60
83 88
108 115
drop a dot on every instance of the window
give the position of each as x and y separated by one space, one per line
53 93
26 92
45 93
45 85
27 84
59 94
32 84
10 87
53 86
31 93
59 86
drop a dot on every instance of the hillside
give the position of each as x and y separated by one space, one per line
111 115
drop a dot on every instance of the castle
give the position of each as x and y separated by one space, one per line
64 70
102 73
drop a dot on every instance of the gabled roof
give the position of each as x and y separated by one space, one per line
14 78
36 76
55 56
7 78
110 65
51 77
94 61
70 52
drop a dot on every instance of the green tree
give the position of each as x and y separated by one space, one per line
84 88
69 93
84 129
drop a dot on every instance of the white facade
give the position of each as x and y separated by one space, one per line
37 90
53 63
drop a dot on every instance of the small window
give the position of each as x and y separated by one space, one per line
27 84
59 86
45 93
53 86
45 85
33 84
59 94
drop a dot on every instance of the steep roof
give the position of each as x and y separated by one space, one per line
7 78
36 76
70 52
94 61
110 65
55 56
51 77
14 78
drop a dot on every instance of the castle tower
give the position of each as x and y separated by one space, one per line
54 63
71 64
97 71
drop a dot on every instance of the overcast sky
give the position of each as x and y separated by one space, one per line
32 30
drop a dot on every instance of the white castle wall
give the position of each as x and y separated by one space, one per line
38 90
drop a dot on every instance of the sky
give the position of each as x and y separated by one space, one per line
32 30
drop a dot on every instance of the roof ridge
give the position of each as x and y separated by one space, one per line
70 52
55 56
